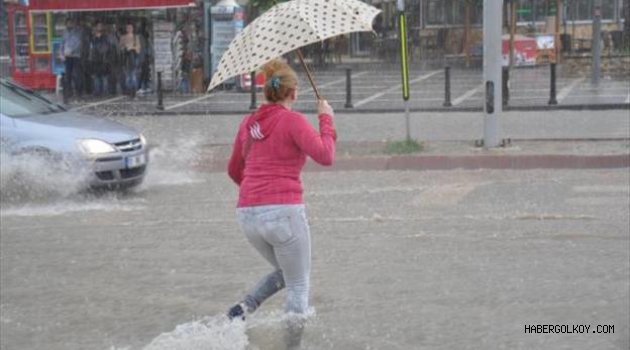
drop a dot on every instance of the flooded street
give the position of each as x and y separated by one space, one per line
401 259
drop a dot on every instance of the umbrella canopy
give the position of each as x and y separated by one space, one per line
288 26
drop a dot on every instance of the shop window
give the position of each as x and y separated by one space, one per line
582 10
608 9
476 13
435 12
525 11
455 11
4 37
20 31
58 25
40 34
452 12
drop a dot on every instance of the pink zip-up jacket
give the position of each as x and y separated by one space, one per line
269 153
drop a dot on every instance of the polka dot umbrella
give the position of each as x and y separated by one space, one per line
287 27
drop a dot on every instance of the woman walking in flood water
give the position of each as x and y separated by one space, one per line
269 152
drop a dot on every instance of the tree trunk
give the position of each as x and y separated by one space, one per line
467 33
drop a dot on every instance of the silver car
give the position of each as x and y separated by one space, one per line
102 152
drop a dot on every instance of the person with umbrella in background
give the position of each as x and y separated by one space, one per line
269 152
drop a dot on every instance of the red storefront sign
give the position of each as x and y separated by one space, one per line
104 5
525 50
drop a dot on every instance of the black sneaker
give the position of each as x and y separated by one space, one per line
236 311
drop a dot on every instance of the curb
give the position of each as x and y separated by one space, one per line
476 162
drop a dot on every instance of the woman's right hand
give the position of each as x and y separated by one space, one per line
324 108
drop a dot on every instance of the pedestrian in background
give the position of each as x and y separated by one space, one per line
183 60
86 38
145 57
112 36
130 49
100 58
71 49
269 152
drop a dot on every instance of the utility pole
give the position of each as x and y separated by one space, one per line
206 40
596 47
556 38
492 69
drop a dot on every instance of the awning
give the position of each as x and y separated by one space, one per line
105 5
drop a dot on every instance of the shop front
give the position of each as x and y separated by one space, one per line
36 28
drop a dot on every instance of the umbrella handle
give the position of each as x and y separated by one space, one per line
308 73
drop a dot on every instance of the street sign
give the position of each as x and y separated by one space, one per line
402 26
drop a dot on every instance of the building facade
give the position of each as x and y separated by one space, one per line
451 27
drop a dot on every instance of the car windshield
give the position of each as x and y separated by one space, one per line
19 102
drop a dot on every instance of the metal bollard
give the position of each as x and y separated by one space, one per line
349 88
447 87
160 93
552 88
506 85
252 86
64 89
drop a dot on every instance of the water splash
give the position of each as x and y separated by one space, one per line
263 330
38 178
210 333
172 163
74 204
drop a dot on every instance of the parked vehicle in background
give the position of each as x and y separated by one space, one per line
102 153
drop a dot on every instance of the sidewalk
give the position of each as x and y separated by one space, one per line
559 139
377 90
448 155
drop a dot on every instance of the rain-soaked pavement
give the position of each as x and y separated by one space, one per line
401 259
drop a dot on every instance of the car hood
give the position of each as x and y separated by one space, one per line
81 126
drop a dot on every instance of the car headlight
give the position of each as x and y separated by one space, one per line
94 146
143 140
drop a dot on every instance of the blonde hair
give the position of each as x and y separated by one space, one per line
281 80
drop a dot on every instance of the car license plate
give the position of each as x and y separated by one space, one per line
135 161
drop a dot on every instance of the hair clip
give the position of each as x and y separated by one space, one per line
275 82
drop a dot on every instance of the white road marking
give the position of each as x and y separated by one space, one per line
97 103
394 88
341 80
567 89
468 94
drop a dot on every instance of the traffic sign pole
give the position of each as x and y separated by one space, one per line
404 64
